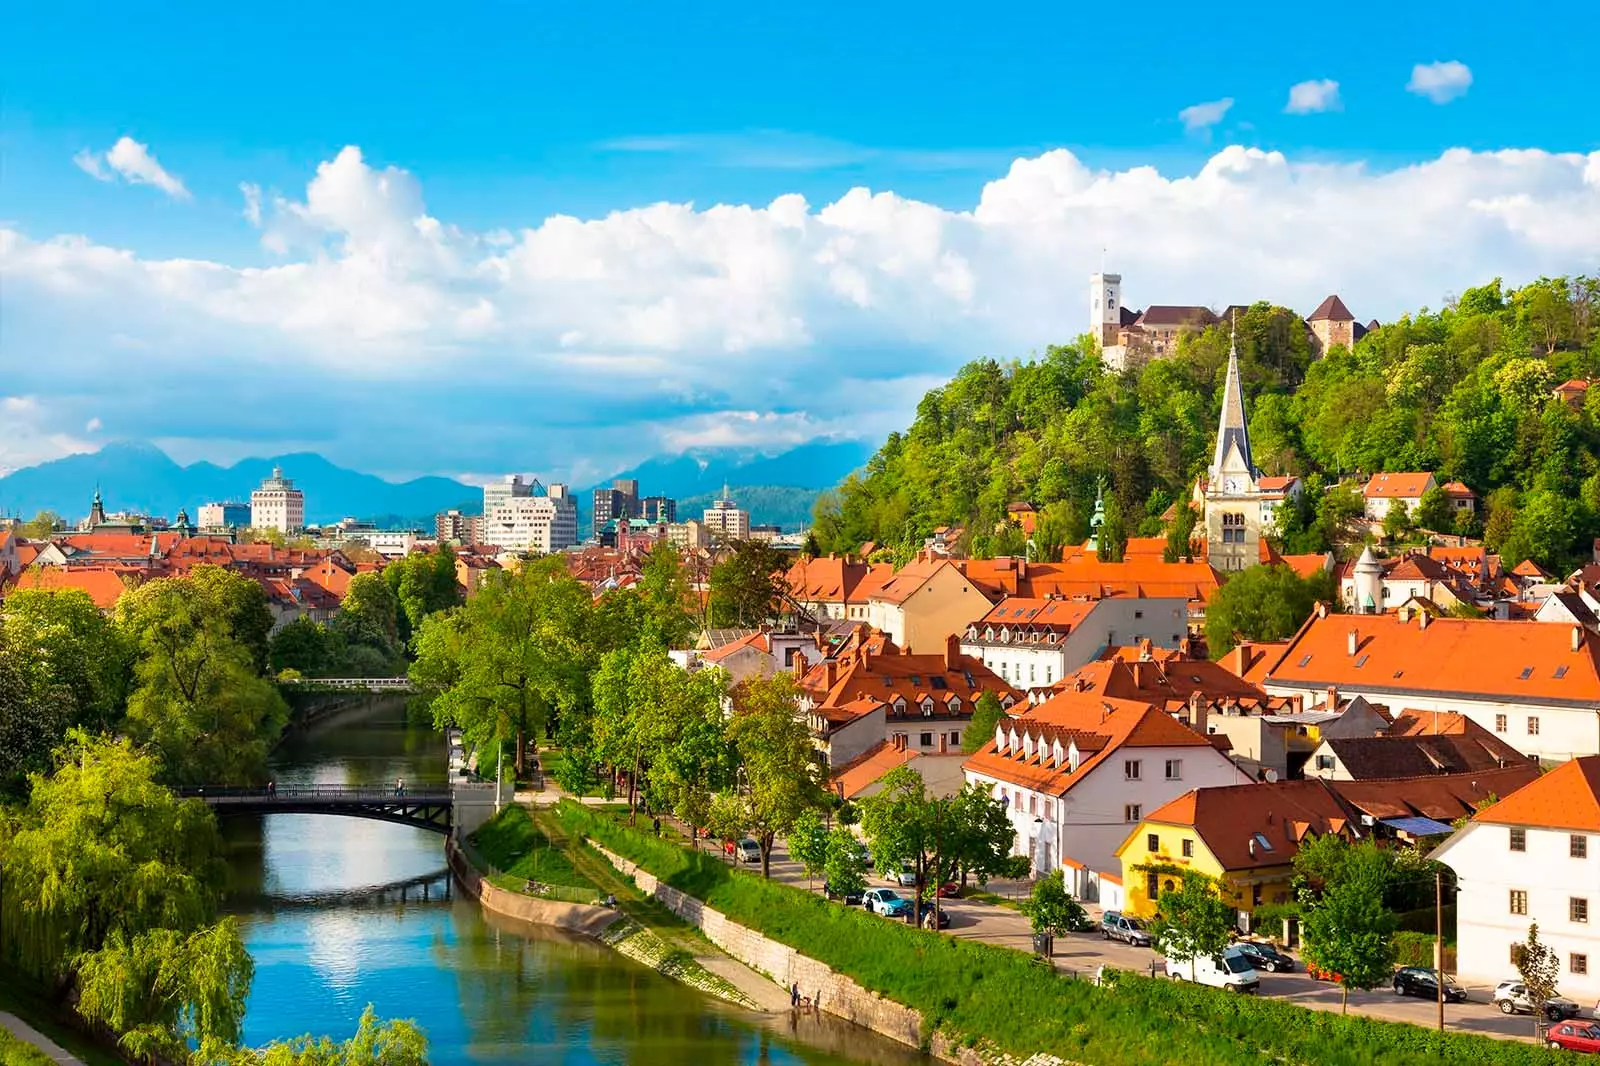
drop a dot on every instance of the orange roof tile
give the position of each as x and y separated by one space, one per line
1251 826
1308 565
909 578
1030 611
1398 486
854 777
104 585
1567 797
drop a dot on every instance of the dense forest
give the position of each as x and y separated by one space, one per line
1466 391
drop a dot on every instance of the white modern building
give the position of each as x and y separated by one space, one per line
1532 857
277 504
724 521
520 517
223 515
1032 643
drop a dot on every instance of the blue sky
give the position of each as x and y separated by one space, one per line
647 329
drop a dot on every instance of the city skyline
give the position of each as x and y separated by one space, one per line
655 264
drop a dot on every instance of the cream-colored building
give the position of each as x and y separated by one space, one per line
724 521
924 604
277 504
524 522
687 536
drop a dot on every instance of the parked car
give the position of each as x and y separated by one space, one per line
949 890
905 877
1115 925
928 918
1264 956
850 899
1574 1036
1419 981
749 850
1512 998
1230 970
887 902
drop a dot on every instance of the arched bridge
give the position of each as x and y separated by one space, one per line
428 807
370 684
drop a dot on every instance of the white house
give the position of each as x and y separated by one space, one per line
1383 491
1079 771
1032 643
1532 857
1535 685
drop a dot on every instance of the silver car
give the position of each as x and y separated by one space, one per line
1512 998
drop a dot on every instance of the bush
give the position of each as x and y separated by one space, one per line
1416 949
981 993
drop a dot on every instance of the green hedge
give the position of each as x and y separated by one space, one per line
1416 949
1004 998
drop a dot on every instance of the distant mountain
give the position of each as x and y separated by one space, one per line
142 478
817 465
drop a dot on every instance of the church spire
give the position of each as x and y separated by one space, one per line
1232 431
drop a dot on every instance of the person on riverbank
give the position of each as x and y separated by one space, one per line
794 995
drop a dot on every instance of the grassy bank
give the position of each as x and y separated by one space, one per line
19 998
1003 999
14 1052
521 852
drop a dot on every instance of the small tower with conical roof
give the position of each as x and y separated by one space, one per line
1233 492
1368 576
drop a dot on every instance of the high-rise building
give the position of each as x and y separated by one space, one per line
540 519
621 500
277 504
724 521
658 509
224 515
453 527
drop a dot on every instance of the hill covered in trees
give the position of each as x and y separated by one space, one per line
1466 391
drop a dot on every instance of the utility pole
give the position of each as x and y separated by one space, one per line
499 765
1438 941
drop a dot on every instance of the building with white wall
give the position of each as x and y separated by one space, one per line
724 521
223 515
277 504
521 517
1532 857
1036 642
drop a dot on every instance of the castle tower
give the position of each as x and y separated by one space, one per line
1105 307
1368 590
1233 497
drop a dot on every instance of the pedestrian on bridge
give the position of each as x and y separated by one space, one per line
400 786
272 788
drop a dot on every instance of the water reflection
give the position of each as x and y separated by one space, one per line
340 912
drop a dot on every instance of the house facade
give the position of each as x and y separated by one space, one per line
924 603
1036 642
1532 857
1383 491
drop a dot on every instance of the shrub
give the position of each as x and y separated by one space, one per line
979 993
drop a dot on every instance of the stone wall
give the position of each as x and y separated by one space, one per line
575 917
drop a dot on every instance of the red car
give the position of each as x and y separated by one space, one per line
949 890
1574 1036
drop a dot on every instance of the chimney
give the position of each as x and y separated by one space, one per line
1352 641
1144 650
952 651
1199 713
830 673
1022 567
1577 638
1422 618
1333 698
1322 609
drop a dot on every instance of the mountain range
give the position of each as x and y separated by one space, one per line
141 478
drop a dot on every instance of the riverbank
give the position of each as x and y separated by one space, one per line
541 855
976 1003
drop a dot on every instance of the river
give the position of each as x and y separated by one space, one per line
342 912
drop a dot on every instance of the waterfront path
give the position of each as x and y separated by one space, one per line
29 1035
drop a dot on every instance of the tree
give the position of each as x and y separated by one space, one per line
1540 968
368 622
1112 537
500 664
1258 603
42 526
1434 512
200 700
987 714
422 583
1178 548
808 843
1396 520
667 622
777 771
375 1043
1051 908
1346 924
975 835
77 646
1192 921
241 603
303 646
844 867
35 714
747 586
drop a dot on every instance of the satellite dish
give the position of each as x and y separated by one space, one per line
1271 777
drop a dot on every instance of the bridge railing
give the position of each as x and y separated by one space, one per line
372 683
326 793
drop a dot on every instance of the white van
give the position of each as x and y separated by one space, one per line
1230 970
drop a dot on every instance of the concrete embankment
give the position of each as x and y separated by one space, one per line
831 991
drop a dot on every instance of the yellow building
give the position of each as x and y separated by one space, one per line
1243 836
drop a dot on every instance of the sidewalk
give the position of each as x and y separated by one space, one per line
29 1035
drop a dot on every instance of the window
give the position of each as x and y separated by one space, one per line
1033 804
1030 672
1561 671
926 740
1152 885
1131 813
1533 726
1130 769
1188 849
1578 847
1138 614
1519 901
1324 762
1527 672
1499 723
1174 769
1152 842
1519 840
1578 909
1050 810
1578 963
955 738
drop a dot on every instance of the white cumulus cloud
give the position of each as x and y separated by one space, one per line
1204 116
133 163
1440 82
1309 97
675 325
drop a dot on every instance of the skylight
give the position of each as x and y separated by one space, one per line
938 683
1305 660
1362 661
1561 671
1263 842
1527 672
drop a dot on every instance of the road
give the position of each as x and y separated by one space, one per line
1084 953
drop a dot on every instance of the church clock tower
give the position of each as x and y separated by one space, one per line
1233 495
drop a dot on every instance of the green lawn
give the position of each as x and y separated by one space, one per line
1005 999
511 842
14 1052
19 999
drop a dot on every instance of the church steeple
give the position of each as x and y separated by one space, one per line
1233 433
97 510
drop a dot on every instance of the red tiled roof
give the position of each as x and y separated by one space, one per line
1405 486
911 577
1567 797
1276 484
103 584
825 580
1174 315
1456 490
854 777
1331 310
1275 818
912 678
1045 613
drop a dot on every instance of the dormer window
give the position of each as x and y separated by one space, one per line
899 705
927 707
1001 739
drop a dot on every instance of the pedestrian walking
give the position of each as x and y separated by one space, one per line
794 995
657 823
